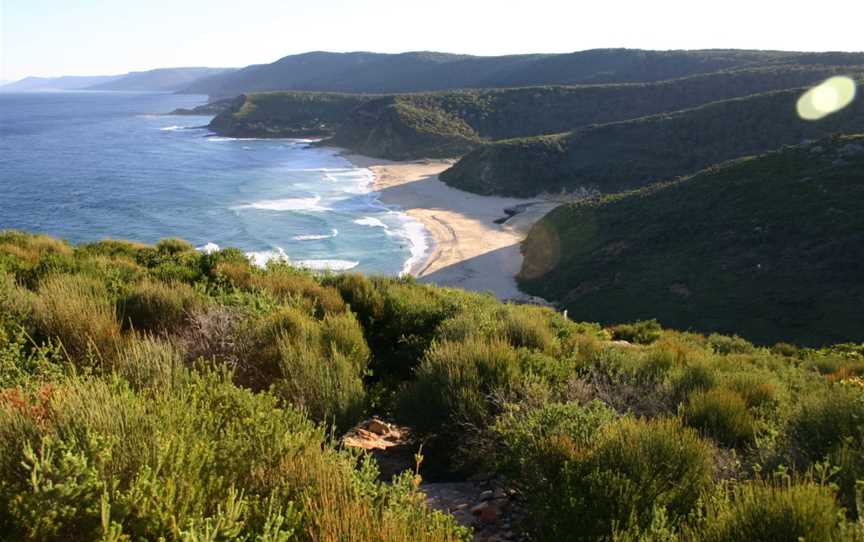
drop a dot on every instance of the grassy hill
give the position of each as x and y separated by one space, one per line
154 392
363 72
621 155
770 247
447 124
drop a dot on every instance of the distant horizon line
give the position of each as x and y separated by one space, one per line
5 81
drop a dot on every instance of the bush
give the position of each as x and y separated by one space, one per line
315 366
755 389
295 288
199 456
693 378
454 385
761 511
172 246
634 469
724 344
826 420
80 314
721 414
641 332
159 307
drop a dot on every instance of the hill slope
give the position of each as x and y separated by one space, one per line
163 79
622 155
770 247
68 82
427 71
447 124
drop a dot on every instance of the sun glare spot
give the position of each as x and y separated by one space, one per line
828 97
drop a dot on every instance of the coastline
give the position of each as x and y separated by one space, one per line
475 240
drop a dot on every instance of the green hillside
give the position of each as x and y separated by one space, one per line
363 72
769 247
447 124
157 393
622 155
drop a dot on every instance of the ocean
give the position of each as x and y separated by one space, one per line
86 166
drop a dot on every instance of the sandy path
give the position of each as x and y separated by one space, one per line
470 250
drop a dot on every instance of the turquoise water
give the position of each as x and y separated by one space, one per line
86 166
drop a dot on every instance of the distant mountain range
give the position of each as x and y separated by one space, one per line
428 71
164 79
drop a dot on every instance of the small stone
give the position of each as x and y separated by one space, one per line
500 493
817 149
487 495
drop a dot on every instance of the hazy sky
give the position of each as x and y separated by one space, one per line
96 37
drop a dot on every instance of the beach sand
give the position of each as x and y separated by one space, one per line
470 250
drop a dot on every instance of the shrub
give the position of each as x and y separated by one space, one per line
761 511
634 469
234 273
316 366
519 432
696 377
721 414
641 332
454 385
79 313
159 307
825 420
724 344
172 246
524 326
755 389
202 456
149 362
294 287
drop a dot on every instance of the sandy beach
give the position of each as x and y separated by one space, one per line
469 249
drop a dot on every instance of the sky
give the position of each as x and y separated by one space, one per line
105 37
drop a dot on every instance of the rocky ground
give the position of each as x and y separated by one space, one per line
491 509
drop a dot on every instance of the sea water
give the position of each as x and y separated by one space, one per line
86 166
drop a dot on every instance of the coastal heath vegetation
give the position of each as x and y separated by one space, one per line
155 392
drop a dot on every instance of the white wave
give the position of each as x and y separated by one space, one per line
261 257
333 233
221 138
172 128
287 204
371 222
209 248
327 265
417 236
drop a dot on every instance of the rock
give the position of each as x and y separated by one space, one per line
487 495
839 163
817 149
487 512
378 427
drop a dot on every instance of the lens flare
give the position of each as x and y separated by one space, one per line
828 97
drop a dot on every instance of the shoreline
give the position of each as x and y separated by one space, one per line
475 240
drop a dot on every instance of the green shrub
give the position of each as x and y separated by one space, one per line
724 344
293 287
80 314
721 414
633 470
761 511
172 246
149 362
641 332
693 378
825 420
318 366
454 385
199 456
159 307
519 432
755 389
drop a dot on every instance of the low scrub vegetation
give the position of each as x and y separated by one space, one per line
158 393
